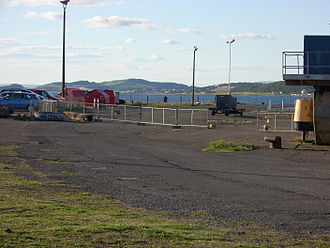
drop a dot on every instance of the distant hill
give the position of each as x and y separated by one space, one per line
257 88
57 86
11 86
127 85
143 86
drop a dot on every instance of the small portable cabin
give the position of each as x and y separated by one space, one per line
111 95
101 95
75 95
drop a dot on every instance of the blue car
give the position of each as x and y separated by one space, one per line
20 100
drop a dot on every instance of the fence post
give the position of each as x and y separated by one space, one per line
152 115
269 105
275 122
163 115
192 117
176 117
257 122
125 112
98 109
112 113
140 113
207 117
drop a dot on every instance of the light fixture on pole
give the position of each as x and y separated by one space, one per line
65 4
193 82
229 42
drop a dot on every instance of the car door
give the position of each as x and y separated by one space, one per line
18 102
7 98
27 100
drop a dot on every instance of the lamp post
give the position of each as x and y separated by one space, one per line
65 4
193 82
229 42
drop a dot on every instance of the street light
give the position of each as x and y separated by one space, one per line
193 82
65 4
229 42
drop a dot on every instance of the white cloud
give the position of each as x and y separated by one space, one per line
117 48
156 57
10 41
31 14
170 42
44 15
85 3
35 33
115 21
183 31
129 41
51 15
250 36
184 49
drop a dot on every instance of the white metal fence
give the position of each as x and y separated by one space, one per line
275 122
138 114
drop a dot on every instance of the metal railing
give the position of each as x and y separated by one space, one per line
275 122
137 114
302 63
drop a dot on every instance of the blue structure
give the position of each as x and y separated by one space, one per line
312 67
316 54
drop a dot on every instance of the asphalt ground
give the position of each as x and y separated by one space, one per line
156 167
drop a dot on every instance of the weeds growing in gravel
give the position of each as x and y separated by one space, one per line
234 122
225 146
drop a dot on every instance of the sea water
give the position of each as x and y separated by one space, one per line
255 99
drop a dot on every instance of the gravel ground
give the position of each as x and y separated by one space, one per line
159 168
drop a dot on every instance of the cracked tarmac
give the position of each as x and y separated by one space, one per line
154 167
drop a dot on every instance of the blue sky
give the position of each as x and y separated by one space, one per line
154 39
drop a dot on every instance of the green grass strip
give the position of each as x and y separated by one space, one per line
225 146
46 214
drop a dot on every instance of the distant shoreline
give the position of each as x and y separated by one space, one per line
233 94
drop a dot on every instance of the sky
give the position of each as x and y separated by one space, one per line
154 39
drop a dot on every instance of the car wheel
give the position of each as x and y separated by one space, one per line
30 108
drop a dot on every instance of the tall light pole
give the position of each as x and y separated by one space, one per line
65 4
229 42
193 82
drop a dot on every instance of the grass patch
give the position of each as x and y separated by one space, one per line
225 146
234 122
36 214
9 150
12 147
47 150
32 215
23 117
53 161
182 130
69 173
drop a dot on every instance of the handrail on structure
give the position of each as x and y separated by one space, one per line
298 62
294 64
